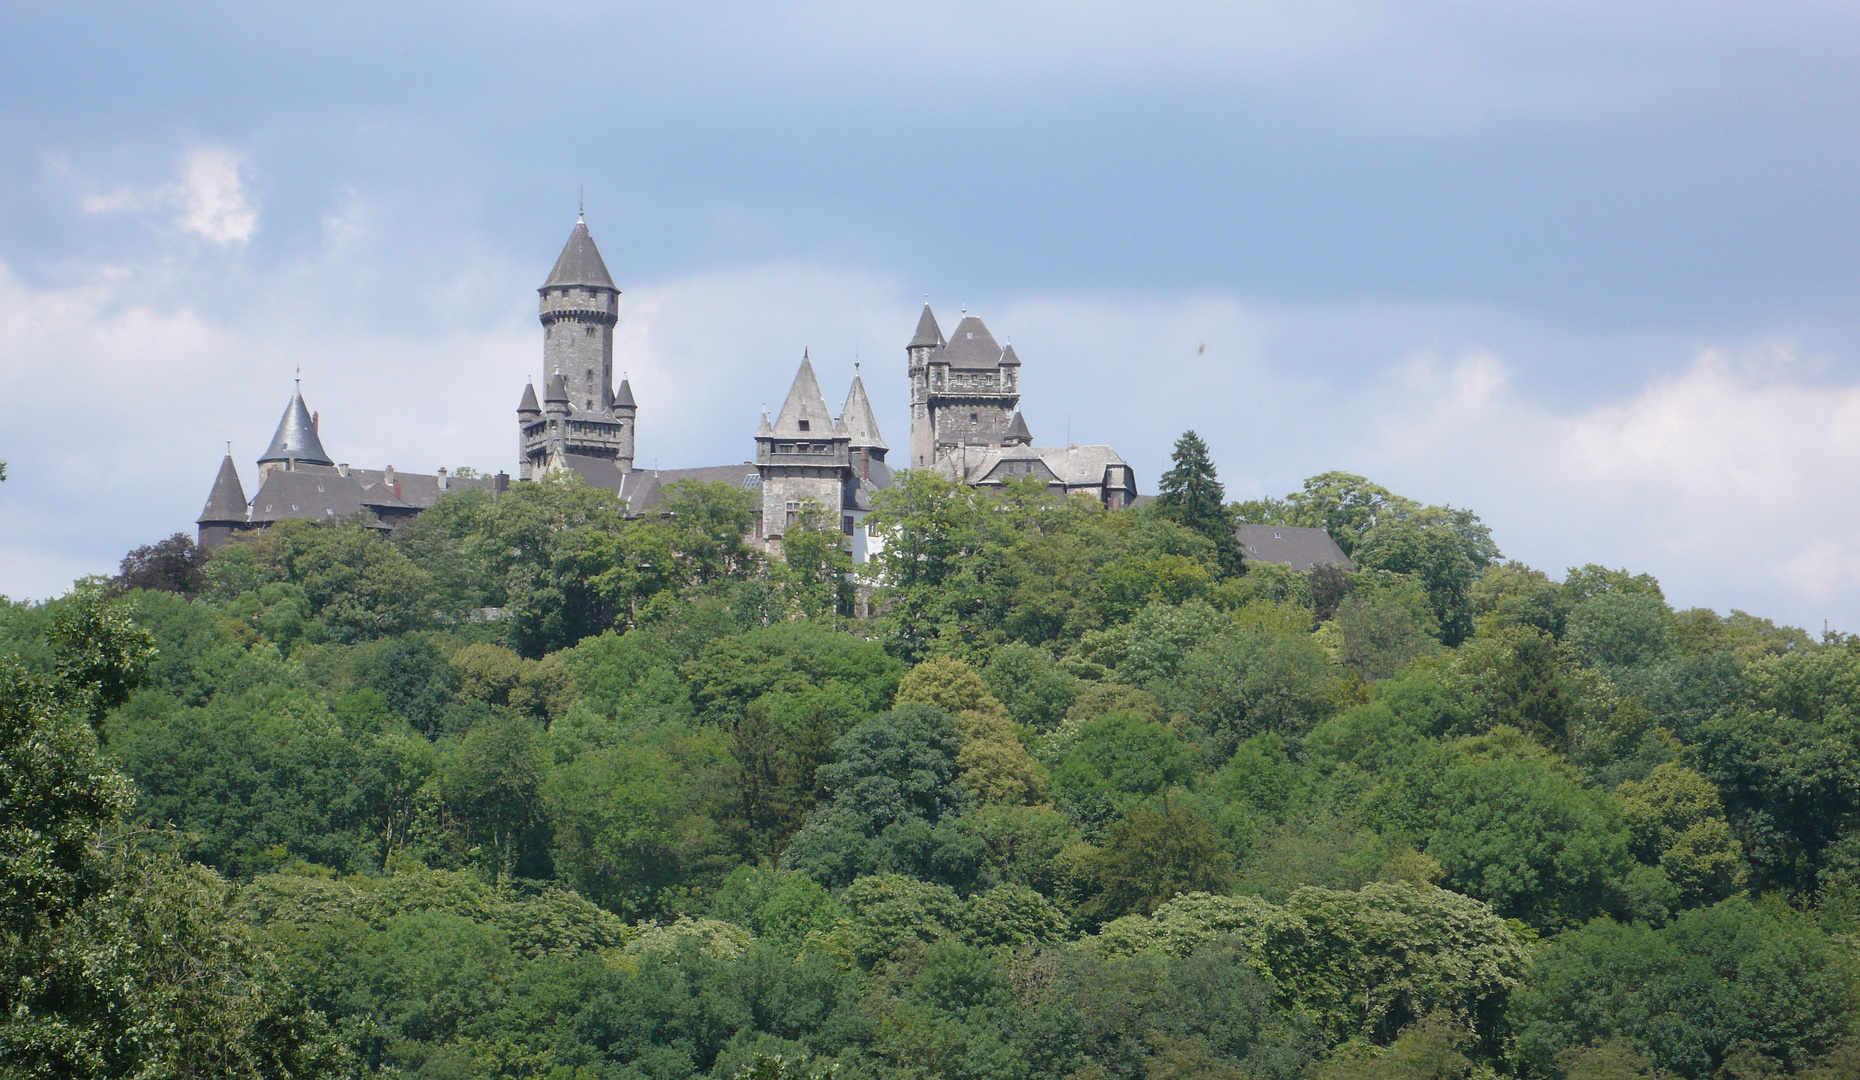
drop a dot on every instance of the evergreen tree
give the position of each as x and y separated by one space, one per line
1192 495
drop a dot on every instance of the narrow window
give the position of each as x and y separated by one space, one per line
804 425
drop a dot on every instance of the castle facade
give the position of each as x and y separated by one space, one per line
811 465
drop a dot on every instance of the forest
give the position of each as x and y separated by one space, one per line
530 788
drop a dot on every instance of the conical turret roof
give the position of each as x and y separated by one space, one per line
971 346
528 404
623 397
557 389
1017 432
580 262
296 439
805 406
928 332
1008 359
226 503
857 421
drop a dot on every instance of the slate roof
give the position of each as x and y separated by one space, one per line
226 502
644 489
857 421
557 389
417 490
580 263
296 438
322 493
1017 432
1008 359
805 403
528 404
971 346
623 397
307 495
928 332
1299 548
1073 466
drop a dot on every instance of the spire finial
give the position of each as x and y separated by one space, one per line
581 206
229 448
299 379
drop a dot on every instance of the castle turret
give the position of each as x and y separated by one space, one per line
296 442
1018 433
226 511
860 426
803 458
964 391
579 307
927 340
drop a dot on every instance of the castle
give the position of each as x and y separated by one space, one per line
809 463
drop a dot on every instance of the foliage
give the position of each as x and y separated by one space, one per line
1687 996
1191 495
535 789
172 565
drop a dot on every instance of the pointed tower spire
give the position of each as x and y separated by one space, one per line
528 406
226 503
858 423
580 262
928 333
804 415
296 439
1017 432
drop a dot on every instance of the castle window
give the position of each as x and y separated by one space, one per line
803 425
590 331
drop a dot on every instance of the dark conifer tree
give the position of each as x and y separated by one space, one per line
1192 495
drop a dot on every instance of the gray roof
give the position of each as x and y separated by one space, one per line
971 346
296 439
557 389
1299 548
1017 432
1008 359
928 332
419 490
226 502
1073 466
307 495
580 263
624 396
322 493
805 404
857 421
644 489
528 404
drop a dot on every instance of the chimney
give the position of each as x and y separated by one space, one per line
315 423
342 469
502 482
442 479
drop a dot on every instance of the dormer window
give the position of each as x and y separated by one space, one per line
803 425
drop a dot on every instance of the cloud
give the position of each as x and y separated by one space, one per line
209 199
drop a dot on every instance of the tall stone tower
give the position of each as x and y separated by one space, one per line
579 307
928 339
803 457
964 392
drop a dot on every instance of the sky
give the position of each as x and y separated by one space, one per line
1589 269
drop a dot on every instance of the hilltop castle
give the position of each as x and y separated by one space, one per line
966 424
